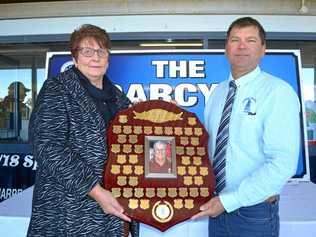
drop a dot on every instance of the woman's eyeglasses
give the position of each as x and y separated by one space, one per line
89 52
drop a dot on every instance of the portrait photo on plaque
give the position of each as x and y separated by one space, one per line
160 157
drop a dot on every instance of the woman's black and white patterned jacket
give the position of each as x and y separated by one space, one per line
67 133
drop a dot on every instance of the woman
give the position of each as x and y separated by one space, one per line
67 130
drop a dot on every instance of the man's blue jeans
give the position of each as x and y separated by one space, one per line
261 220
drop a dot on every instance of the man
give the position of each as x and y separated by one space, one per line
10 101
253 122
159 163
14 110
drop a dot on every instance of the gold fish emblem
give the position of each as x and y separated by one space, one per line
158 116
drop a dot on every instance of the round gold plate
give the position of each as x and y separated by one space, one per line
162 211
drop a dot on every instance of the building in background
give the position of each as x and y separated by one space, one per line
30 29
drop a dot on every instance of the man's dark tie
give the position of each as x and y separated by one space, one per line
219 160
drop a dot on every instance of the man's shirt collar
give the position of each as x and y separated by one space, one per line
246 78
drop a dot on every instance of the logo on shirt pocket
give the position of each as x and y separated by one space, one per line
250 106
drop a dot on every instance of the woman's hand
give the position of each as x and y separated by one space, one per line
107 202
135 102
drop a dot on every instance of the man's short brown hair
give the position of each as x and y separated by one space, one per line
246 22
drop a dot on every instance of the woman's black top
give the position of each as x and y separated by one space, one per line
104 98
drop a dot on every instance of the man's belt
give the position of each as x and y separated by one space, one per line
168 196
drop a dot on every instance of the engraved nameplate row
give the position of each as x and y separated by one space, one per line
161 199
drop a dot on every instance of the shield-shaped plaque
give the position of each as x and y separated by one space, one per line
158 166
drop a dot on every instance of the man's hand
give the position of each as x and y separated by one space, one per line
212 208
107 202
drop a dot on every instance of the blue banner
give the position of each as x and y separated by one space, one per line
188 77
